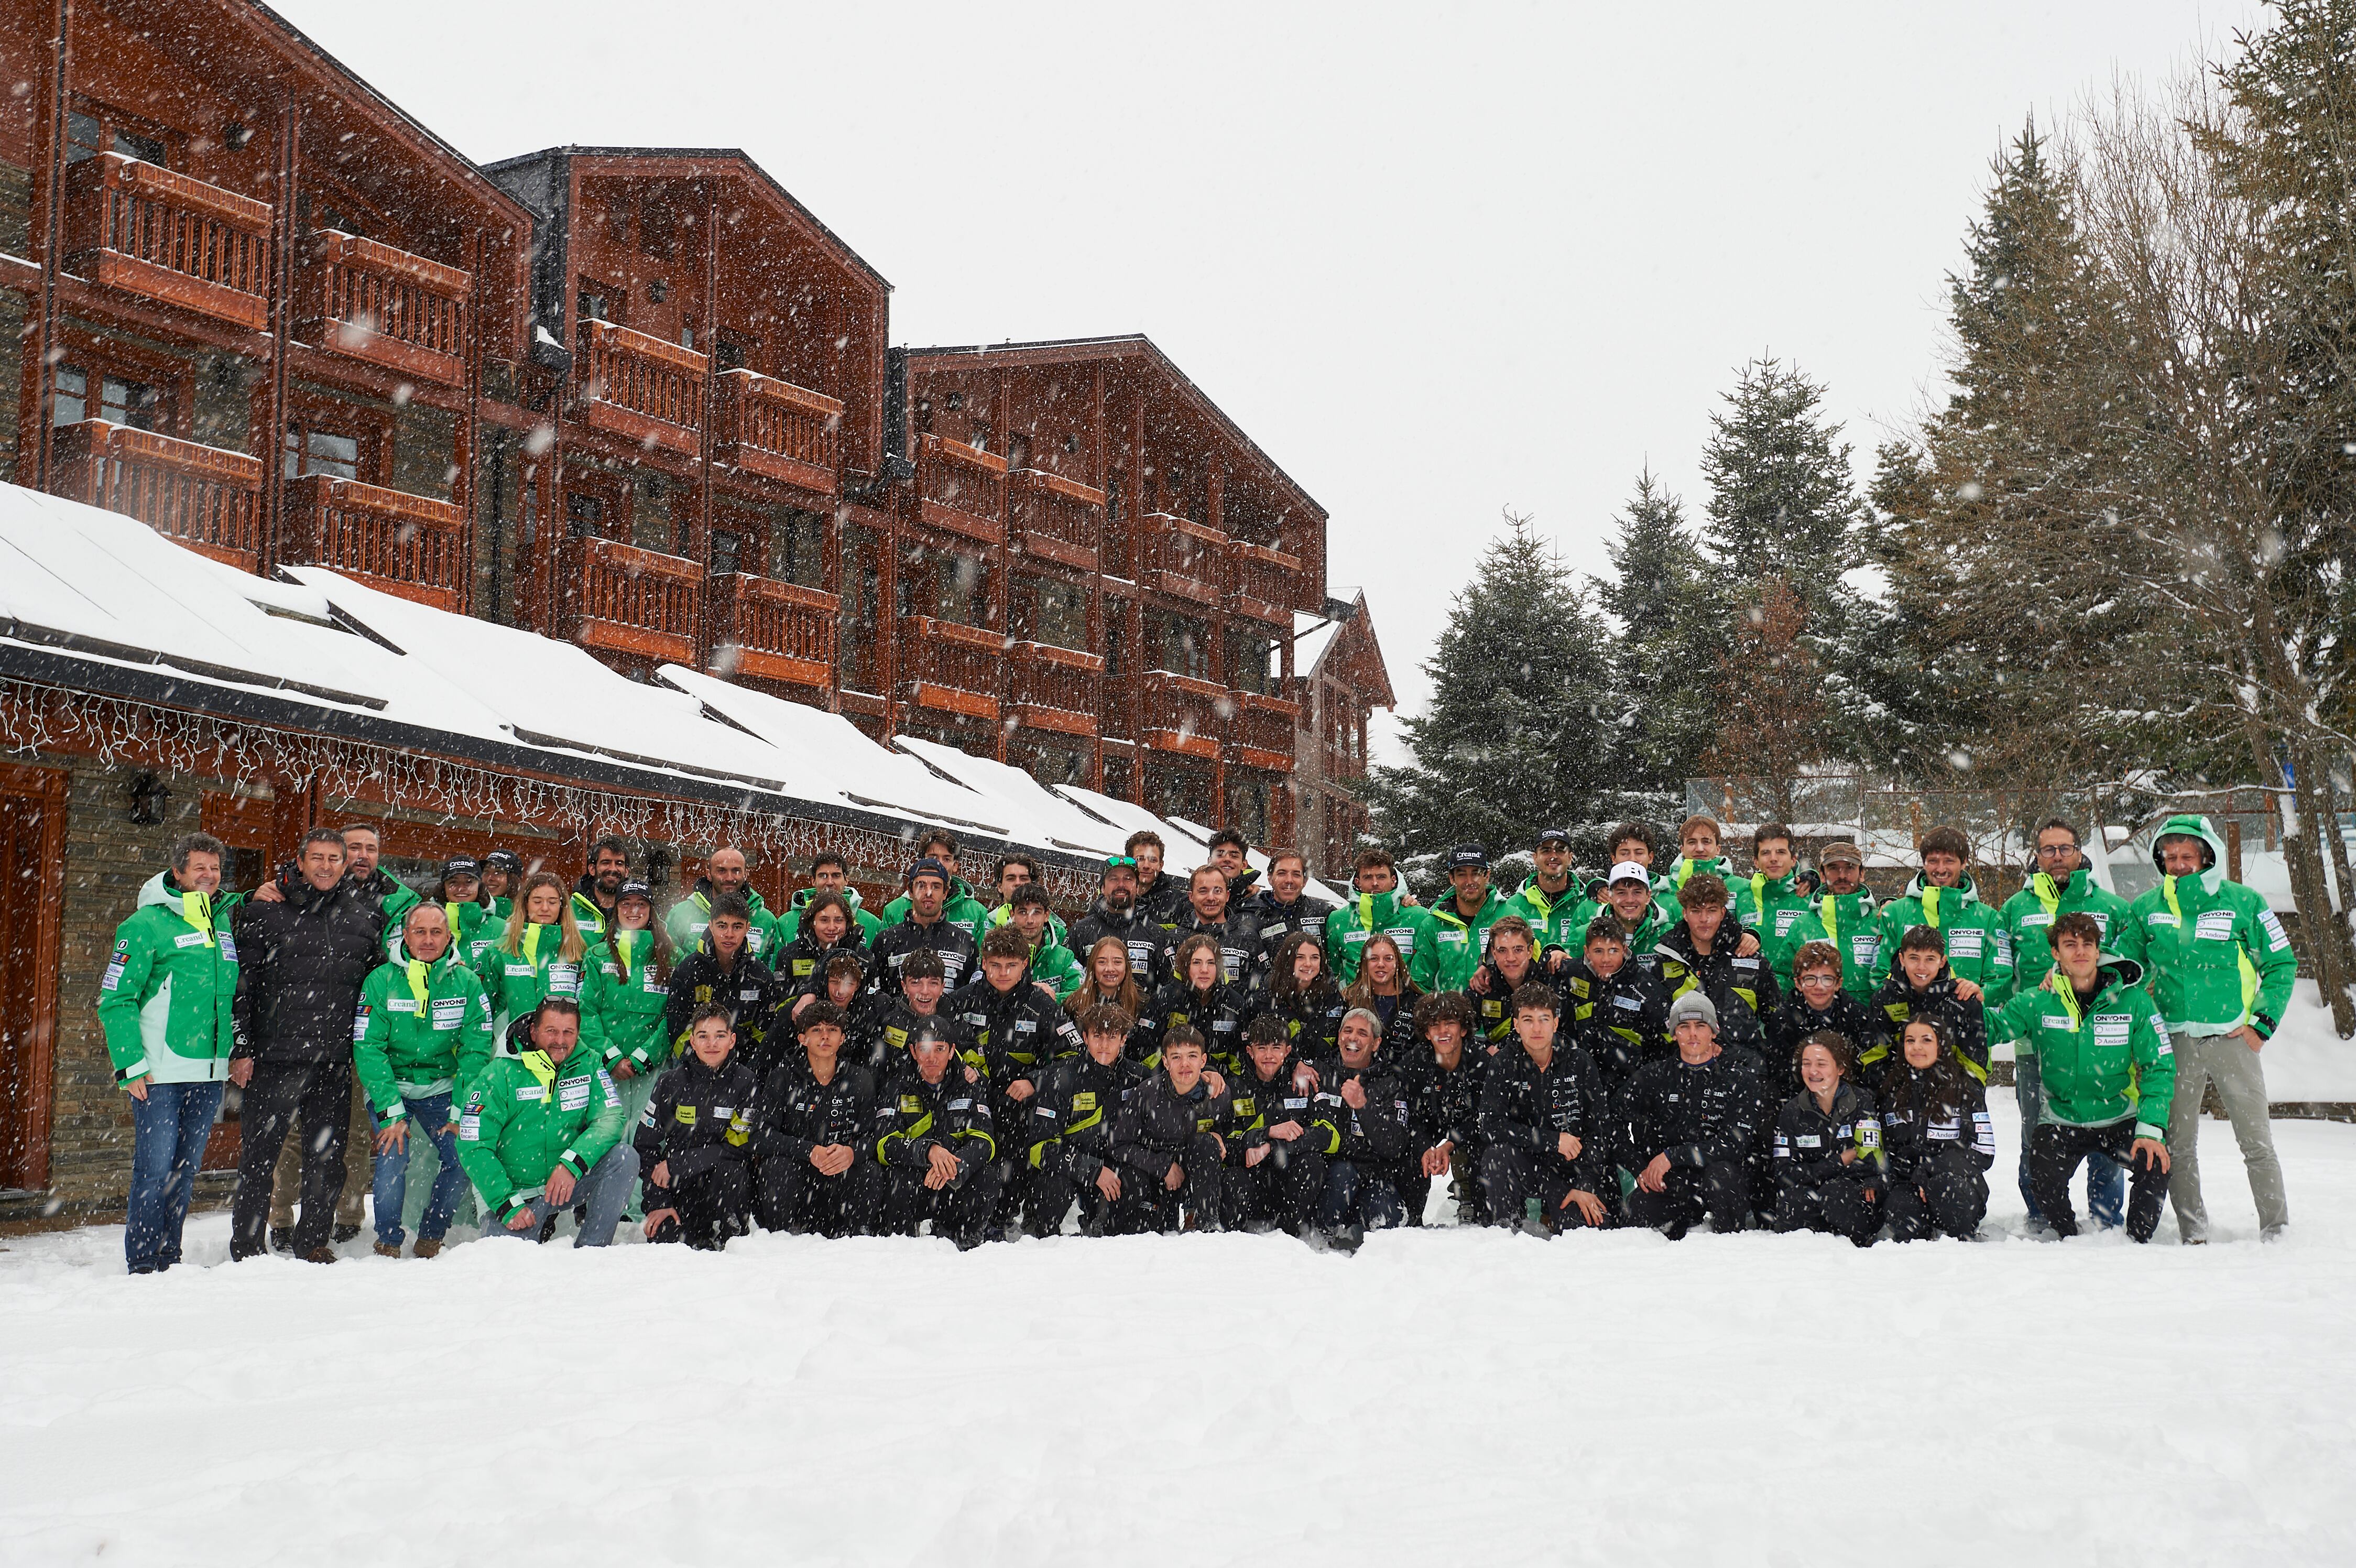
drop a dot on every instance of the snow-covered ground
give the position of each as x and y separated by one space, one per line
1445 1397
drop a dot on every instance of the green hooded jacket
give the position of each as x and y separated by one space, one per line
963 909
1738 889
1347 929
1852 923
473 927
516 982
1057 932
2100 1063
622 1001
1456 945
1776 911
789 924
526 1115
1554 922
2219 958
1978 944
1054 962
690 915
166 997
2028 915
422 1028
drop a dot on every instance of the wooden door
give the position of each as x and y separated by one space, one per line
32 838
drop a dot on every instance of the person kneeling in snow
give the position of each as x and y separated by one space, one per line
817 1137
542 1131
936 1142
1936 1139
1168 1140
1689 1120
1548 1125
1828 1148
691 1141
1359 1124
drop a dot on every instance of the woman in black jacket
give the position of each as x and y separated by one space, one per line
1828 1148
1936 1136
1300 993
1198 1000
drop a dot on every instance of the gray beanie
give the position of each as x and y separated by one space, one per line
1693 1004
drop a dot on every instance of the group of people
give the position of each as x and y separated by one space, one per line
1663 1046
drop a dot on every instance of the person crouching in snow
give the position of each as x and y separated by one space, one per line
1169 1140
936 1141
691 1141
542 1131
1690 1118
1937 1143
1359 1124
1828 1148
816 1135
1547 1124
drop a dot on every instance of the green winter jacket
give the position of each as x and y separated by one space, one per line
2218 956
1851 922
526 1115
164 999
1347 929
422 1029
2100 1063
963 910
2028 915
516 981
1778 914
1978 945
1658 922
690 915
472 929
1456 945
622 1001
1054 962
1057 932
789 924
1738 889
1554 922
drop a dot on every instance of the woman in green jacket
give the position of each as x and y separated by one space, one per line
541 955
623 994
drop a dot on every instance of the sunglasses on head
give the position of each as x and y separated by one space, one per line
1115 862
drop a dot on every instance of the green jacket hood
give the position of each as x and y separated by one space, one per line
2212 864
1446 909
1967 890
2116 970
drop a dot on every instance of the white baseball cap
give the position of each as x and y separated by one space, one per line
1630 871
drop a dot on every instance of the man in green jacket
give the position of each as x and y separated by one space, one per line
1703 843
829 872
1943 897
1015 872
1846 915
165 1004
1459 924
2222 969
1775 907
1376 906
1052 967
542 1131
424 1032
725 870
2063 885
1551 899
962 910
2108 1071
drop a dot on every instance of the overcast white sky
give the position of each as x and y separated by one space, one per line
1438 260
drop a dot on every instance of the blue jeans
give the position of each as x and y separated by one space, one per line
2106 1182
1365 1197
605 1190
429 1117
168 1130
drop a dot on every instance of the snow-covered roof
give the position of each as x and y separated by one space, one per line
1312 636
1042 816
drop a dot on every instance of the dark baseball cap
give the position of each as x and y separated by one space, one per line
505 860
1470 855
1554 835
635 890
927 866
461 866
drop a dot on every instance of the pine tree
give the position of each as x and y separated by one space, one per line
1672 628
1516 737
1771 723
1782 500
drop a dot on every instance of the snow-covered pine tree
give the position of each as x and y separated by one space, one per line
1783 500
1516 735
1666 658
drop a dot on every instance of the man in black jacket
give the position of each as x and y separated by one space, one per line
1280 907
1275 1175
1359 1124
1070 1127
1445 1074
1617 1012
1159 895
1710 951
925 926
1209 913
1170 1140
882 1026
936 1142
302 961
1017 1031
1549 1125
1922 984
693 1140
1690 1121
724 973
815 1136
1116 914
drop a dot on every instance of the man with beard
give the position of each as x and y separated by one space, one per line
725 873
1116 914
1210 914
595 895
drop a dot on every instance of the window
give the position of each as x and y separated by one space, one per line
1247 658
1116 640
652 526
947 584
84 136
322 452
725 549
797 547
731 352
71 397
1180 644
86 132
598 303
121 400
1059 613
585 516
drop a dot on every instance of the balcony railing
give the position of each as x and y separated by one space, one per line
1053 688
781 632
387 306
1058 518
638 601
1262 732
149 230
641 388
1182 714
202 497
961 488
951 667
411 545
1267 583
1185 559
778 430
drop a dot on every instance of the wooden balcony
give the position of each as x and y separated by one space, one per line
202 497
411 545
1262 731
779 431
961 488
1054 518
781 632
385 306
951 667
1267 583
638 601
1053 688
642 389
1182 714
151 232
1184 559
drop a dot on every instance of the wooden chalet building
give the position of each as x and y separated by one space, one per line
1342 681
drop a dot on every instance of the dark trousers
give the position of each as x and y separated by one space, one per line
1837 1208
794 1197
1721 1189
1053 1189
1283 1189
1944 1195
959 1211
1361 1195
711 1204
1514 1176
2055 1153
1148 1203
316 1098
